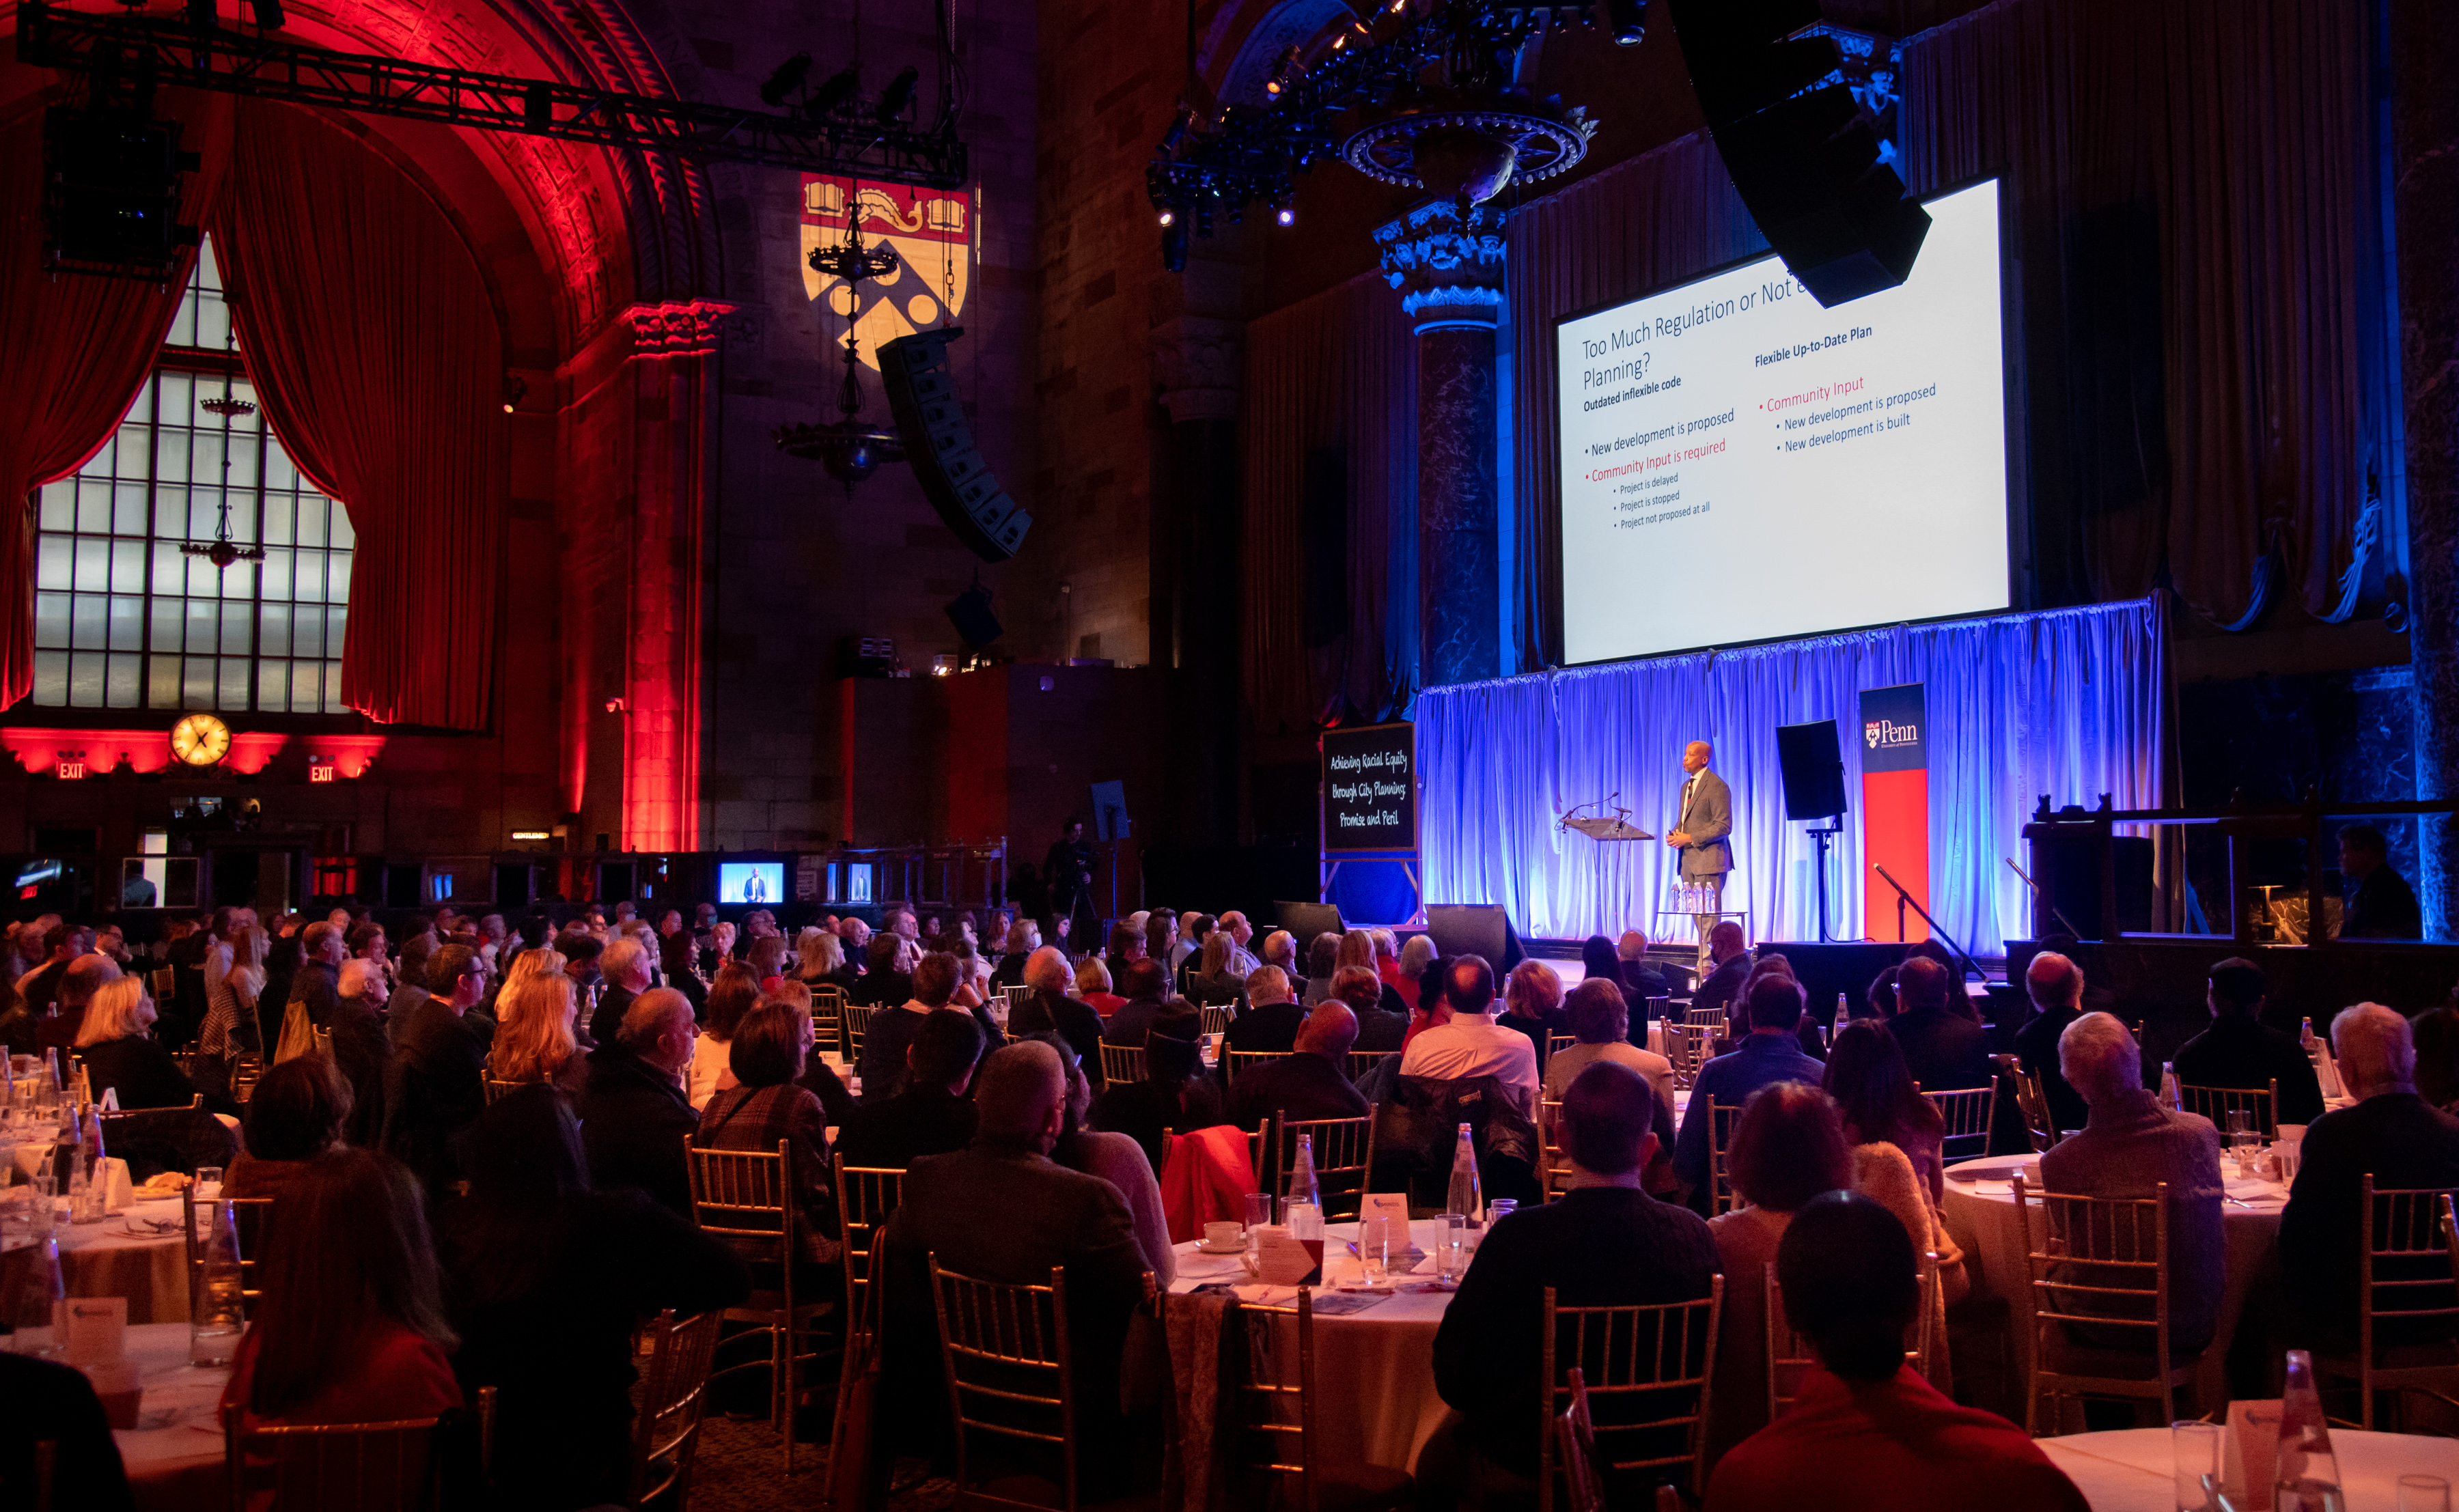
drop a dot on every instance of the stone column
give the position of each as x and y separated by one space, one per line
1449 271
1196 608
2424 48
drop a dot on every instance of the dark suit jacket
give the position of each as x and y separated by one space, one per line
1595 1246
361 1050
2404 1141
143 1071
1944 1050
1142 1110
881 990
882 1063
1297 1086
1076 1021
1717 989
1382 1029
1010 1217
892 1134
2236 1051
2036 1050
612 1004
633 1123
433 1089
1272 1026
1130 1024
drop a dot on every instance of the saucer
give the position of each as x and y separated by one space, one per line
1203 1248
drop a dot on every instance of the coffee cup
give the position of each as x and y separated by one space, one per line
1222 1234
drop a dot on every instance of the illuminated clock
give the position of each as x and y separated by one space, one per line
200 740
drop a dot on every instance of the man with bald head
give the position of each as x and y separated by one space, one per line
1050 1009
2055 985
1703 817
1002 1210
1310 1083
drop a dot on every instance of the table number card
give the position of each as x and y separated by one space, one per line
1281 1260
96 1328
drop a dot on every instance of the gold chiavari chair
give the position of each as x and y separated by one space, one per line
674 1398
1553 1166
1721 1118
827 1017
2404 1289
248 1217
1274 1434
1361 1061
1650 1365
1557 1043
1344 1153
1217 1018
747 1199
2101 1309
247 1069
498 1089
1966 1112
1011 1383
1575 1444
1235 1062
858 1022
2216 1103
2040 1124
344 1467
1121 1064
1688 1047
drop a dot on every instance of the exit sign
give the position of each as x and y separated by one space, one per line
320 771
73 770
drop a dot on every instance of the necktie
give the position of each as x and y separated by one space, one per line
1687 789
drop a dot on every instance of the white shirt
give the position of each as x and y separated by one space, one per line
710 1065
1474 1045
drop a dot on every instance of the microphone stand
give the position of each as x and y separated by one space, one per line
2040 895
1904 899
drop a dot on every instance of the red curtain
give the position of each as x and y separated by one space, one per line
368 329
77 351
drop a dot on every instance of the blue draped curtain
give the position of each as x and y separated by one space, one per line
2069 702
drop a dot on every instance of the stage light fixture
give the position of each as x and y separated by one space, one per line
1169 217
831 96
899 95
788 79
1626 20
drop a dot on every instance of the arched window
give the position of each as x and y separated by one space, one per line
123 619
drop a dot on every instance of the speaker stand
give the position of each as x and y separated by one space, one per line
1822 839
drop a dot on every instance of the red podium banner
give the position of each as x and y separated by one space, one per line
1895 810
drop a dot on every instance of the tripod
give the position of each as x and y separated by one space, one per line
1822 839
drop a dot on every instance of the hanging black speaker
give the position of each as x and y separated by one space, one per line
930 420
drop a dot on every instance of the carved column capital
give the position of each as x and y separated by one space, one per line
682 328
1447 267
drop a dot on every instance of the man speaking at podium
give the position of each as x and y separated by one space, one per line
1703 819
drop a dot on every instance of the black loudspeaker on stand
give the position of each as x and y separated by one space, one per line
1814 788
930 421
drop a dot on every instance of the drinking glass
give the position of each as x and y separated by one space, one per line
2424 1493
2197 1448
1259 1217
1375 1249
209 1181
1451 1249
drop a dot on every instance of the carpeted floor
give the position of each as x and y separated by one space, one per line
740 1469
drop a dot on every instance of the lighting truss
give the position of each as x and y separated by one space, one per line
171 51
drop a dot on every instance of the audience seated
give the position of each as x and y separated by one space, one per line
229 1029
1093 989
1323 959
1270 1019
546 1281
734 993
1004 1210
1414 957
2055 985
1728 960
435 1085
351 1328
1603 1242
1215 978
1787 1146
1599 1020
41 987
1116 1159
624 964
1378 1028
2391 1134
1356 948
1146 986
1641 979
634 1116
1866 1433
1177 1094
2238 1050
765 1108
1769 1052
1532 1004
1312 1082
2129 1144
1471 1043
882 1068
534 1035
315 986
1051 1010
294 1117
885 981
1896 1136
1280 948
931 1115
1945 1050
119 1052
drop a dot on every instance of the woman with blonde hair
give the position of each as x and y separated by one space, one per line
117 1043
817 953
534 1036
538 962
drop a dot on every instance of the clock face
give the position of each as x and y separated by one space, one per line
200 740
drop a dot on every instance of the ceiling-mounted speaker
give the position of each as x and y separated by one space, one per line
930 420
1803 152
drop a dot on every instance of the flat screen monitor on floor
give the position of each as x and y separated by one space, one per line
1739 465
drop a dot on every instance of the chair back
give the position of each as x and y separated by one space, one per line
2404 1287
1003 1352
163 982
248 1217
828 1016
1648 1367
497 1089
1216 1018
745 1198
2100 1265
1557 1043
858 1022
1788 1359
1967 1112
1361 1061
2216 1103
1344 1153
867 1198
1721 1118
1575 1443
246 1070
2040 1126
1715 1018
1273 1427
1233 1061
335 1467
1121 1064
1688 1046
674 1397
1553 1166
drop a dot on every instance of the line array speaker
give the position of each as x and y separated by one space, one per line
930 421
1801 150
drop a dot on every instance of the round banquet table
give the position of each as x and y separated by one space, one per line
1375 1371
1980 1216
2131 1470
174 1454
134 1254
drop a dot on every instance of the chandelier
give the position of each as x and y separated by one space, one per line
223 551
1425 94
850 448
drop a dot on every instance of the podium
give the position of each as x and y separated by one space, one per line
1597 827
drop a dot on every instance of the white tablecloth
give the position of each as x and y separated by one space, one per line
1981 1218
1375 1371
2133 1470
125 1256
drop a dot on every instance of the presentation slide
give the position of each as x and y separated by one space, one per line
751 881
1742 465
1370 788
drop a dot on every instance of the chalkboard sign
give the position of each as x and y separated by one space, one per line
1370 790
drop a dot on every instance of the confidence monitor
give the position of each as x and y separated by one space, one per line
1739 465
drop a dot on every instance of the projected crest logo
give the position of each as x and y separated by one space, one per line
931 229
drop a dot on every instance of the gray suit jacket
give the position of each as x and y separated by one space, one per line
1707 820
